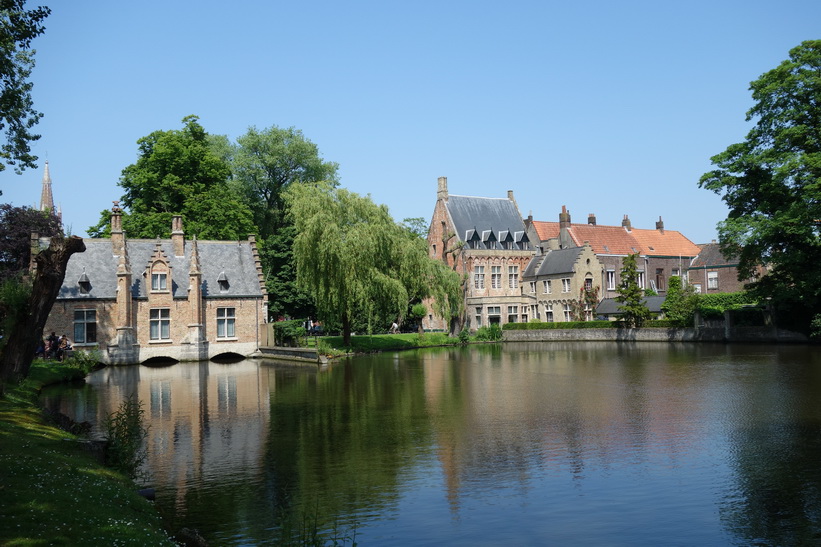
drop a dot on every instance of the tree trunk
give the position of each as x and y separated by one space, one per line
346 330
18 353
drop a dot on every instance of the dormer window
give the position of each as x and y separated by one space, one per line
222 281
159 282
85 284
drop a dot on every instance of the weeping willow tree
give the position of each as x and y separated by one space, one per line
350 255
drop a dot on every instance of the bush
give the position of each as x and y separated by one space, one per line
125 434
288 333
86 361
491 333
464 336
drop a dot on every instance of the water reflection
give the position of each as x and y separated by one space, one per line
527 443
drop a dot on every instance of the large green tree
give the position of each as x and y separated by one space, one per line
771 183
265 162
179 172
353 258
630 294
18 27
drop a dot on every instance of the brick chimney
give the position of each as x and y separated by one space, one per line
660 225
564 218
591 219
177 235
117 235
626 223
442 191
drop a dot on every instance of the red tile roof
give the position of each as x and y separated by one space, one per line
666 243
546 230
613 240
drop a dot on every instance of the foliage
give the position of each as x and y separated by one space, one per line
771 183
289 333
14 298
388 342
490 333
125 434
17 115
352 258
464 336
178 173
815 327
16 227
634 311
726 301
287 298
266 162
650 292
85 360
681 303
538 325
588 299
417 226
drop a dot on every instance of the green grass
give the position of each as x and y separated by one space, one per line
389 342
51 491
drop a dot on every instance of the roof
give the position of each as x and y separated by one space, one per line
614 240
546 230
610 306
554 262
234 259
664 243
485 216
711 255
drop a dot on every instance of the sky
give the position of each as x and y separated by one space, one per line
610 108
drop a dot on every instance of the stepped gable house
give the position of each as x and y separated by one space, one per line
662 253
140 299
485 239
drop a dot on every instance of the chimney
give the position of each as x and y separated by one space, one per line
626 223
660 225
591 219
117 236
177 235
511 198
564 218
442 191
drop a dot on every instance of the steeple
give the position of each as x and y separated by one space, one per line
46 197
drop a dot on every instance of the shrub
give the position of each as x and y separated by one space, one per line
125 434
491 333
288 333
464 336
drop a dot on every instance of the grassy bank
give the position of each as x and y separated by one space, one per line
52 492
388 342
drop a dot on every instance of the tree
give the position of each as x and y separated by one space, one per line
16 227
771 183
681 302
179 172
634 311
18 27
18 347
265 163
417 226
351 257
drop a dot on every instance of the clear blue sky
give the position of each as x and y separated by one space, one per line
610 108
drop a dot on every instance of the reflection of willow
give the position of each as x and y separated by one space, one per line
339 442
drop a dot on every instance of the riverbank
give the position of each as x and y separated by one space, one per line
52 490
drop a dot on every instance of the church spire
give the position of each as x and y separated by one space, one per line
46 197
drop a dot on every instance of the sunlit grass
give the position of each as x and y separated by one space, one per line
388 342
54 493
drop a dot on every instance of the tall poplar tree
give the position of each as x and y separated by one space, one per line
630 294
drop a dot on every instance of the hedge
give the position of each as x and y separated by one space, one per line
535 325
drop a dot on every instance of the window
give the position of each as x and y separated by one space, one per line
697 288
546 284
611 280
479 277
478 316
496 277
494 310
533 286
158 282
566 284
513 276
712 280
660 279
512 314
641 279
588 312
222 281
548 314
226 318
85 327
676 272
588 283
524 314
160 324
567 312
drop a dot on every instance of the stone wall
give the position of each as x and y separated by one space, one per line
712 334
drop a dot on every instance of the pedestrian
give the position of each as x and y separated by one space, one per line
394 328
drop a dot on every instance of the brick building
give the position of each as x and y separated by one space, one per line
484 239
712 272
139 299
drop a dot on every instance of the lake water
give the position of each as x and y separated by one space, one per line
516 444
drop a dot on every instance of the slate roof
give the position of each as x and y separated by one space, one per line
711 255
554 262
485 215
609 306
98 263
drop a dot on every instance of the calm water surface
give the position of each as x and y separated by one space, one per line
525 444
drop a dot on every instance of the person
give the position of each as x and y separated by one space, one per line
51 345
41 350
394 328
63 346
